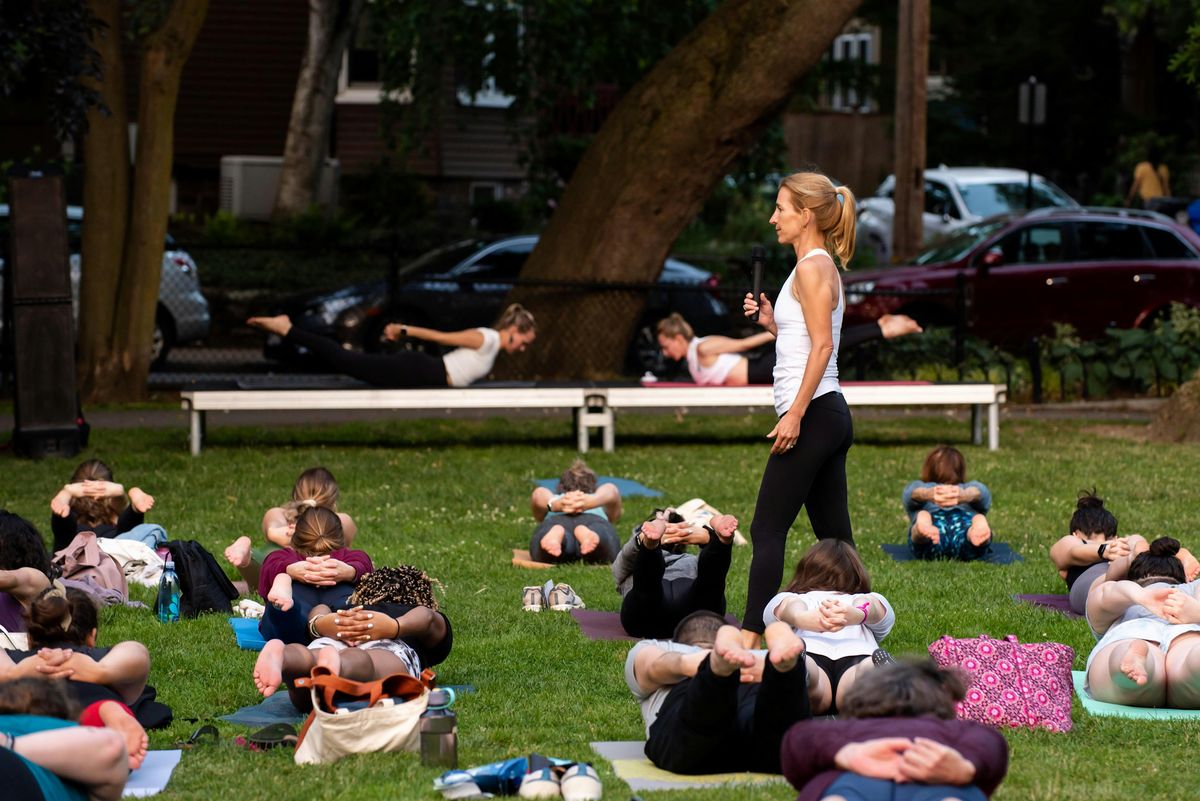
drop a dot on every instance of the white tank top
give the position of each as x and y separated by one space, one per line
715 374
793 344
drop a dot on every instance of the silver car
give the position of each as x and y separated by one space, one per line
182 314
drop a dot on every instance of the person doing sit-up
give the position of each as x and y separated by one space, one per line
575 522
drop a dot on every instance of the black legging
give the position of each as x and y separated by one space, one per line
653 608
292 625
19 781
813 475
605 552
716 724
402 370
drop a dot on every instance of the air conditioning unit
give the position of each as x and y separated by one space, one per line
249 184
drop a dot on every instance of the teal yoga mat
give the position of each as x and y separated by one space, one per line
245 630
1104 709
627 486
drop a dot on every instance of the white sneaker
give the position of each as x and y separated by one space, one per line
581 783
541 783
563 599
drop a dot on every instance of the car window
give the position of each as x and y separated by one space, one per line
984 200
1034 244
959 243
500 263
938 199
1167 244
442 261
1110 241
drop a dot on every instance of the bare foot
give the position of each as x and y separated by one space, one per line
330 658
784 648
979 532
725 526
924 529
728 655
1133 664
552 540
136 742
588 539
268 669
1191 567
280 325
279 600
238 554
652 532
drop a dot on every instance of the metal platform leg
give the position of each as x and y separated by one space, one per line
994 426
197 432
595 414
976 424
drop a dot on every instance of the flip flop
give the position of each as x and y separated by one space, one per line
206 734
274 735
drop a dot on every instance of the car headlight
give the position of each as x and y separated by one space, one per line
855 292
328 311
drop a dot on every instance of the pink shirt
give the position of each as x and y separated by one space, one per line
278 561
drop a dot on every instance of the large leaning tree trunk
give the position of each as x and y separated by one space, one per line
650 168
118 371
1178 420
330 25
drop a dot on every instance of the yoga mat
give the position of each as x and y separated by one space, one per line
1001 553
1055 603
597 625
522 558
152 777
245 630
278 709
627 486
630 764
1104 709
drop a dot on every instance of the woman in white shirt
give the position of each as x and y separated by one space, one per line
807 464
472 359
830 605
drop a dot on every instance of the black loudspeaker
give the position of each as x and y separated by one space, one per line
42 320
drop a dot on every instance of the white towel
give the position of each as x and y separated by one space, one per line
138 560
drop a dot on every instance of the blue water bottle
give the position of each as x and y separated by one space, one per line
166 605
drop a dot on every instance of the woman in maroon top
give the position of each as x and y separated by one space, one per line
24 569
897 738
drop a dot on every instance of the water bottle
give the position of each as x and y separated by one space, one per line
166 605
439 731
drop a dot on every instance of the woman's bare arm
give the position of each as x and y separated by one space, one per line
716 345
469 338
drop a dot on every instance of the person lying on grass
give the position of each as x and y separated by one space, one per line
316 486
898 738
711 706
830 604
392 625
575 522
46 756
1149 654
660 584
947 513
92 501
24 569
62 626
1085 553
318 536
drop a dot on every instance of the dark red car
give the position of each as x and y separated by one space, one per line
1092 268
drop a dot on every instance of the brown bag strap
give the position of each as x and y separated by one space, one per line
398 685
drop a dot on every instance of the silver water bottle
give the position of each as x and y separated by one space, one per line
439 731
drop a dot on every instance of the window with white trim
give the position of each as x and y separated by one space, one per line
854 51
358 79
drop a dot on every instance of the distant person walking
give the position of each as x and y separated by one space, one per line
807 464
1151 179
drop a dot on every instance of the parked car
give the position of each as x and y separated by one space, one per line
1092 268
464 285
954 196
182 315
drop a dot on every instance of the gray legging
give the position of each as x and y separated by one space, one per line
606 551
1079 590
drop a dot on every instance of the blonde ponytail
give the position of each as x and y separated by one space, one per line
844 231
517 316
674 325
832 208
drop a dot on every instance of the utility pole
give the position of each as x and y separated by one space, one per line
912 72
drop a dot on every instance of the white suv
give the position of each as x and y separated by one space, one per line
954 196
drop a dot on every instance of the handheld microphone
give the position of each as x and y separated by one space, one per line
758 257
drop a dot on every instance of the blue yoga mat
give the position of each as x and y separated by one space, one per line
245 629
1000 554
279 709
627 486
1105 709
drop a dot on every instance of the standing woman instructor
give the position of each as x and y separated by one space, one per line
807 465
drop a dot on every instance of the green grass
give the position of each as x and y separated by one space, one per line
451 496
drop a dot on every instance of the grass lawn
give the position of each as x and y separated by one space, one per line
451 496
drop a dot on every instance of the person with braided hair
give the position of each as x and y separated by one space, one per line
393 625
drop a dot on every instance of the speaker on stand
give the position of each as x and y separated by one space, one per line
40 319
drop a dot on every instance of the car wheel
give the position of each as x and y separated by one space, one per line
644 354
163 338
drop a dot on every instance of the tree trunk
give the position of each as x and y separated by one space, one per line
650 168
106 199
330 25
163 54
912 72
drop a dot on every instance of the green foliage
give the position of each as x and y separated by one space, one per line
385 197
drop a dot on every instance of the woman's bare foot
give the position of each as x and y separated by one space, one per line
784 648
280 601
728 655
238 554
280 325
725 526
136 742
1133 664
588 539
979 532
329 657
652 533
552 540
268 668
924 529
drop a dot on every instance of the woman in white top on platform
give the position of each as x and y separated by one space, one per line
807 464
714 361
475 351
